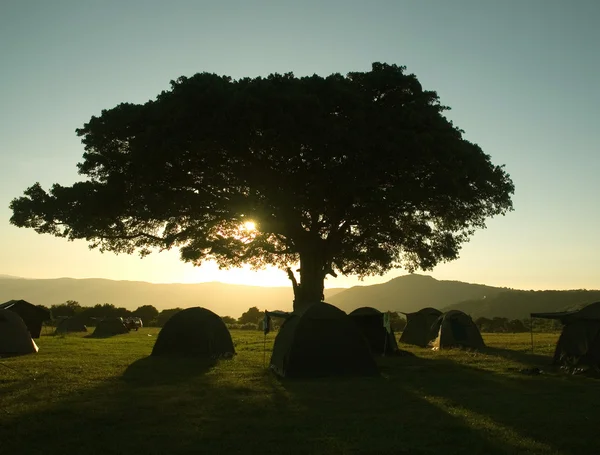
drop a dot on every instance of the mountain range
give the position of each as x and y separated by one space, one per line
223 299
406 294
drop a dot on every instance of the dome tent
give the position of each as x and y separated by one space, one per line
420 327
69 325
321 341
579 341
109 327
15 339
194 332
457 329
370 321
32 315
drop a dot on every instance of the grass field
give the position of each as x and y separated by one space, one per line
83 395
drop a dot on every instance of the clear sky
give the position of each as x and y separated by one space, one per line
522 78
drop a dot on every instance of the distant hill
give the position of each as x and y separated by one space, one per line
406 294
410 293
223 299
515 304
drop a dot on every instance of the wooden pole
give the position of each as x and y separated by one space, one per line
265 352
531 331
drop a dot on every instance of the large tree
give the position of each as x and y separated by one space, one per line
354 174
252 316
147 313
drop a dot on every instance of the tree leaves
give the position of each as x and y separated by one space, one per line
362 170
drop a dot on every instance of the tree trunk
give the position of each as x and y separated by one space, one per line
312 277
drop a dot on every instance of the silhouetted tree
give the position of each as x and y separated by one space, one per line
106 310
516 326
544 325
228 320
484 324
354 174
499 324
147 313
252 316
397 322
67 309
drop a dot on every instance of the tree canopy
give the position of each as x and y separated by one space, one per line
252 316
147 313
67 309
354 174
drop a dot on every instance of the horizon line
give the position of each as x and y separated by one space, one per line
507 288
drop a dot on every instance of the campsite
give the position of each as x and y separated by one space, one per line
82 394
299 228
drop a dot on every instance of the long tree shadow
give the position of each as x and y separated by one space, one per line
442 406
157 406
537 360
378 416
153 371
417 405
539 413
173 406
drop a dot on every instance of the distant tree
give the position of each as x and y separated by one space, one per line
106 310
484 324
67 309
44 307
355 174
397 322
147 313
228 320
252 316
165 315
544 325
499 325
516 326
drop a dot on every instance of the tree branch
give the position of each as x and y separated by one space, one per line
292 278
131 237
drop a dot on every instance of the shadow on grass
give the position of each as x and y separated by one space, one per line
525 357
238 407
152 370
540 414
101 336
442 406
417 406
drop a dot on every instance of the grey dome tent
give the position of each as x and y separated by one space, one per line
579 341
70 325
457 329
370 321
420 327
14 336
32 315
109 327
321 341
194 332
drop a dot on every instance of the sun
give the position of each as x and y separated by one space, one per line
250 226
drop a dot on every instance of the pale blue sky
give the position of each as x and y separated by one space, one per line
522 78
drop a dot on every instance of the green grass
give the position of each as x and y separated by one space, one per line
106 396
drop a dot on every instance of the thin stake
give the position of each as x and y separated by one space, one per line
265 351
531 330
